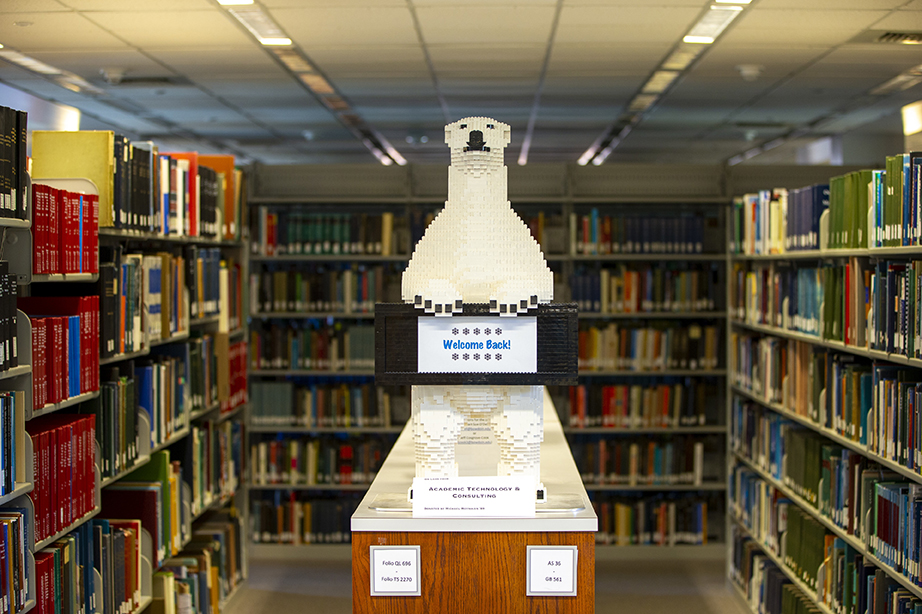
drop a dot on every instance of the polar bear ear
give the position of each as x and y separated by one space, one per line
448 134
507 135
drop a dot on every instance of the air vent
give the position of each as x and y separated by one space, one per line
902 38
129 81
886 37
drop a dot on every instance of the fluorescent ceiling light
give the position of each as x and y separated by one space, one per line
29 63
293 60
642 102
242 2
712 23
902 81
912 118
729 1
681 58
316 83
659 81
587 155
383 159
260 25
393 153
599 159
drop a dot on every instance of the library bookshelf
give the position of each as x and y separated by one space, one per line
172 438
824 360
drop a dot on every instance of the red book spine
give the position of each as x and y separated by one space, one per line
36 241
74 232
43 357
86 336
36 380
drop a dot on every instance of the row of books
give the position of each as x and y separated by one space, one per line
647 289
666 402
290 518
17 582
201 577
118 431
872 403
214 461
65 342
779 220
12 446
65 231
152 493
64 462
632 347
312 345
766 587
279 232
9 341
316 461
142 189
318 404
658 520
675 460
592 233
350 289
14 133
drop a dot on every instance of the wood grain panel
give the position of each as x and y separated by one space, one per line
463 573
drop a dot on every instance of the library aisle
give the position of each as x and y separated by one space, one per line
690 580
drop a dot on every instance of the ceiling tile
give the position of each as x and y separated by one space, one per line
604 59
241 61
134 5
364 26
165 30
488 25
45 33
355 62
588 25
783 27
89 64
31 6
776 61
901 21
385 87
278 4
493 62
830 4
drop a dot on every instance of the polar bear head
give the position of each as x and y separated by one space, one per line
477 144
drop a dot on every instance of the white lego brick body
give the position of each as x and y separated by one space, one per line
477 250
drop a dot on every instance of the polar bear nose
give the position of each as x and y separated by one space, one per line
476 142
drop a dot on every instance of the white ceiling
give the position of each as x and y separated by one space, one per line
408 66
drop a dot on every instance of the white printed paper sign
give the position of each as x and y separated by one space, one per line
477 345
395 570
551 571
474 497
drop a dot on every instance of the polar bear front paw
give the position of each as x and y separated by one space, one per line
512 308
439 298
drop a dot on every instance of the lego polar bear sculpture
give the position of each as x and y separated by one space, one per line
477 250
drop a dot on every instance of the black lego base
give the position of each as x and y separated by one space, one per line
396 347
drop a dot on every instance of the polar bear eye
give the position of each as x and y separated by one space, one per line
463 126
490 126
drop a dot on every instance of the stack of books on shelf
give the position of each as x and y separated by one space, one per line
166 194
279 232
65 231
14 202
312 345
9 318
633 347
666 402
648 288
317 461
593 233
65 346
213 462
287 518
679 460
339 404
65 471
348 289
661 520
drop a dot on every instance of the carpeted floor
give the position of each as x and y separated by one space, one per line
317 579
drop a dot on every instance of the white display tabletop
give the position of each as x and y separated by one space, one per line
558 474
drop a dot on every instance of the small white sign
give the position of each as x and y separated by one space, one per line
395 571
474 497
477 345
551 571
